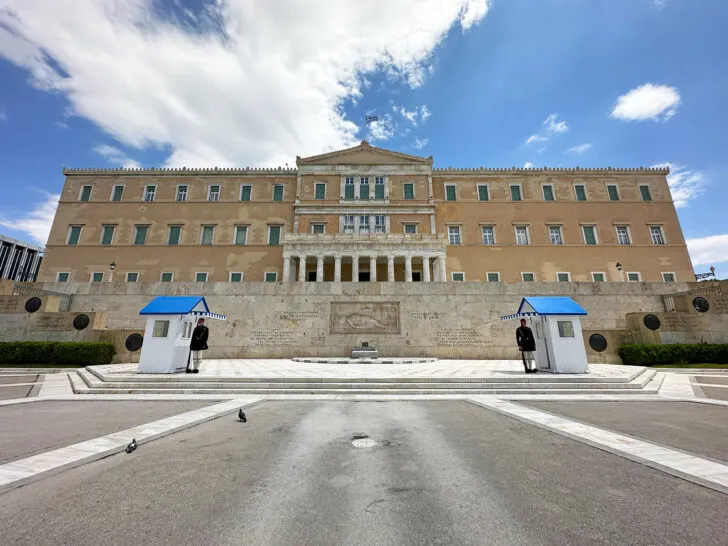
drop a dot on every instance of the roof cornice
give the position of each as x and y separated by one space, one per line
553 170
182 171
363 146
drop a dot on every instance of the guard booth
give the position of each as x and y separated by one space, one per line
556 325
170 322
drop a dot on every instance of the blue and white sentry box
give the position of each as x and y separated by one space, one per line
556 322
170 322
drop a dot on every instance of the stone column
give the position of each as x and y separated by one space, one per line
390 268
426 268
442 268
355 268
372 268
337 268
408 268
320 268
436 270
286 269
302 269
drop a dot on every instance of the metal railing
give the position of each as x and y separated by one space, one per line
26 290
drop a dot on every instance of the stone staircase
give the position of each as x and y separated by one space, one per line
94 380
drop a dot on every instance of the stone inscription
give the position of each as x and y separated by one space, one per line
9 305
719 306
51 322
273 337
365 318
672 323
299 315
453 337
426 315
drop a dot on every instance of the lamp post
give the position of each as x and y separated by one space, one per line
621 275
112 267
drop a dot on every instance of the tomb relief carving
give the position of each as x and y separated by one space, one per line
365 318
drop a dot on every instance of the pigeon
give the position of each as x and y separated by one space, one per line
241 416
132 446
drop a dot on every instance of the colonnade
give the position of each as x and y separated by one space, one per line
439 273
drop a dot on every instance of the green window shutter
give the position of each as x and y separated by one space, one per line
141 235
450 194
363 191
349 191
75 235
236 277
598 277
580 193
241 234
548 193
528 277
62 277
208 232
483 193
515 193
563 277
379 191
645 191
613 193
274 236
589 236
174 233
245 193
108 235
271 277
409 191
118 192
320 191
410 228
277 192
166 277
493 277
97 277
200 277
86 193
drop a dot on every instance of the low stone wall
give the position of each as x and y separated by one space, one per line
445 320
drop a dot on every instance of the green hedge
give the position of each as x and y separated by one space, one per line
56 352
648 355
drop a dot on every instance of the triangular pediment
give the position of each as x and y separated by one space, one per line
363 154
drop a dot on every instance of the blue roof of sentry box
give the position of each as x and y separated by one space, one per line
175 305
552 305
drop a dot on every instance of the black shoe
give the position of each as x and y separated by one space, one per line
195 371
188 370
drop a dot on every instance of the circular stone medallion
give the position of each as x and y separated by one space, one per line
33 304
134 342
598 342
652 322
81 321
701 305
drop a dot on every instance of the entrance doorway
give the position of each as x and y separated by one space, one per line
417 276
364 276
311 276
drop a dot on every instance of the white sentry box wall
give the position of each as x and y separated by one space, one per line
561 354
166 354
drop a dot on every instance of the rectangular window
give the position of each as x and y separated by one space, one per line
633 277
450 192
598 277
74 235
590 235
62 277
85 194
364 224
241 235
528 277
174 235
380 224
349 187
349 223
140 237
97 277
236 277
483 193
580 191
458 276
623 235
201 277
364 187
245 192
555 235
454 235
274 235
132 277
566 328
207 235
379 187
107 235
522 235
408 191
563 277
658 238
278 192
271 276
668 277
548 193
149 193
318 228
213 193
320 191
181 193
613 192
117 193
161 328
493 277
515 192
645 193
410 228
488 235
166 277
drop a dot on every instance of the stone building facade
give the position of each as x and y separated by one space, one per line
365 214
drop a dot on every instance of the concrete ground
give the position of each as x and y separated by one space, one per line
9 379
439 473
9 392
40 426
715 393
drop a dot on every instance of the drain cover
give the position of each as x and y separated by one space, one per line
364 442
359 435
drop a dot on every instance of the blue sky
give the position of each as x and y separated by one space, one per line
241 82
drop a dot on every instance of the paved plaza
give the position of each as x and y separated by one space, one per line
643 466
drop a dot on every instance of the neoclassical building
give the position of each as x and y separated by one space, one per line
366 214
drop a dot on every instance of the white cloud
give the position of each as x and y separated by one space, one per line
660 3
37 223
685 184
222 87
648 101
709 250
541 150
382 129
416 116
536 138
421 142
116 156
555 126
528 165
580 149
